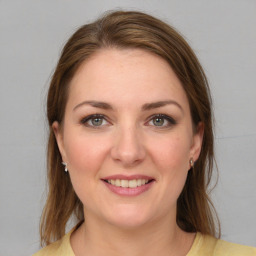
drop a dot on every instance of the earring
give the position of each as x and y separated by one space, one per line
191 162
66 168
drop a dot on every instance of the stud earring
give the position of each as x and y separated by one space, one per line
191 162
66 167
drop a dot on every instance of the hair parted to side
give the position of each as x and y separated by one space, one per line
121 29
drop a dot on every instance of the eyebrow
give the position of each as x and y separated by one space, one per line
145 107
158 104
96 104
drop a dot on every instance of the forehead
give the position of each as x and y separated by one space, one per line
128 76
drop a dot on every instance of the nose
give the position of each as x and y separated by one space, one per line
128 148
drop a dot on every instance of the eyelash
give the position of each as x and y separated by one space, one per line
167 118
86 119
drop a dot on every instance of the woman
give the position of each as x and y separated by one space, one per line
130 150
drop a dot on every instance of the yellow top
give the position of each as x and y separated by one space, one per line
203 245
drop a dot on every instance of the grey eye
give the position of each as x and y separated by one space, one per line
161 121
97 121
158 121
94 121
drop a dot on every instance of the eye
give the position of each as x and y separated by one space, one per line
161 120
95 121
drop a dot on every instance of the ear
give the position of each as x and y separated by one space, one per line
59 138
197 141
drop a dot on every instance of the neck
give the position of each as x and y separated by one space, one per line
155 238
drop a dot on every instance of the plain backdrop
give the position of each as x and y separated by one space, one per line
32 33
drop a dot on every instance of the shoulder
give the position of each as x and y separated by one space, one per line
61 247
227 248
211 246
51 249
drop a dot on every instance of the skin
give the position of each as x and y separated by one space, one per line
128 141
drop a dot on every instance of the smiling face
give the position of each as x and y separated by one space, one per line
127 137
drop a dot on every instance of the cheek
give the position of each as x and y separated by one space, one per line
171 158
85 156
172 153
85 153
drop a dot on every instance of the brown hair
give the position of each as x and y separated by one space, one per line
130 30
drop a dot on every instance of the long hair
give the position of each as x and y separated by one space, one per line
120 30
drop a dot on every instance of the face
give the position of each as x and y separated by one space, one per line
127 137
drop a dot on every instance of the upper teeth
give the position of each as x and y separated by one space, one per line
128 183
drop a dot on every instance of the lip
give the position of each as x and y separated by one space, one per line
130 177
128 191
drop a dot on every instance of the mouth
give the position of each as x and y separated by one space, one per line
124 183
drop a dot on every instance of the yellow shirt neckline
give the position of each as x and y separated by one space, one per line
66 244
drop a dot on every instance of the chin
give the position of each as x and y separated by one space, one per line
128 218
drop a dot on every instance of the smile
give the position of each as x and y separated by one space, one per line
128 183
123 185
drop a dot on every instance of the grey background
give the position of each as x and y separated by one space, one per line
32 32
